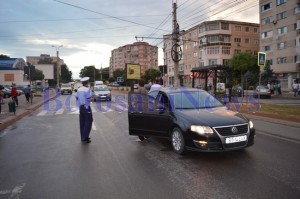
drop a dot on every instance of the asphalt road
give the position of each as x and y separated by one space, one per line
41 156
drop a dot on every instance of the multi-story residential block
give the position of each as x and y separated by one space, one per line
280 38
212 43
137 53
34 60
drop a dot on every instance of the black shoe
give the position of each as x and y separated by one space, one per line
87 141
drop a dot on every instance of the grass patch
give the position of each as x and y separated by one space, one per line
282 110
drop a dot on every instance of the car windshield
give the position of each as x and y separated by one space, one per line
102 88
65 85
262 87
193 100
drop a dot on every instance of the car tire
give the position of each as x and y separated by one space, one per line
142 138
178 142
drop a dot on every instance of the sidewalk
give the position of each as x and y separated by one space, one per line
8 118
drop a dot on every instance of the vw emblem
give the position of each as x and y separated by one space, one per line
234 130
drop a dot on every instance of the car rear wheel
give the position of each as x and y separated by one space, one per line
178 142
142 138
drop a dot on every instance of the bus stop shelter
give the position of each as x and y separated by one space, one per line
214 71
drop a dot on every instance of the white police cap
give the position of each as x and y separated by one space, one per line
84 79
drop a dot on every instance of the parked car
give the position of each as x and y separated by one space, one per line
7 92
101 93
66 88
237 90
191 119
262 91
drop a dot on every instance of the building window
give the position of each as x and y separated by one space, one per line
266 20
256 42
9 77
237 40
202 63
247 41
195 54
212 62
270 61
267 48
238 28
268 34
281 15
236 51
225 26
281 60
279 2
266 7
297 9
282 30
213 26
282 45
202 29
226 50
255 30
297 25
297 59
212 51
247 29
226 62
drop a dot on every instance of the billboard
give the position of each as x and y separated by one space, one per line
48 70
133 71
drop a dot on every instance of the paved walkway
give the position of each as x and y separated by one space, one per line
8 118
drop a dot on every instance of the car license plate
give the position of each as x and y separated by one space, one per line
230 140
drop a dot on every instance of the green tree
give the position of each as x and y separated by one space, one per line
4 56
267 75
66 74
38 75
151 74
91 72
241 63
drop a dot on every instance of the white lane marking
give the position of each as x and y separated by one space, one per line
60 111
42 113
94 127
15 192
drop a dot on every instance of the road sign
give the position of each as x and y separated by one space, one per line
261 59
120 79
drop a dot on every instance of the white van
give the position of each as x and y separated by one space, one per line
98 83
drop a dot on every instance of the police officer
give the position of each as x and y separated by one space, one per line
84 98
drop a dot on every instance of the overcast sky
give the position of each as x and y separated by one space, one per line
90 29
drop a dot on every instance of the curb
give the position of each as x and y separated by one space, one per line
14 118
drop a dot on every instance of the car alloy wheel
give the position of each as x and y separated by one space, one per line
178 143
142 138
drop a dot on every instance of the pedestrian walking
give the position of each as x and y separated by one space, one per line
84 98
27 91
156 86
279 88
14 94
141 87
276 88
295 88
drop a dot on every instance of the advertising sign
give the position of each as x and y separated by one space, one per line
261 59
133 71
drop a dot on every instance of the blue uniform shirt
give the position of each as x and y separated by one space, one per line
83 95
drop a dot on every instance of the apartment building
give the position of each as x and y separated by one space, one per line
137 53
280 38
34 60
211 43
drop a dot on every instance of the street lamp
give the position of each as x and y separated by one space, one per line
57 63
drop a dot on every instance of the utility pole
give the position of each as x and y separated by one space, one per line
176 51
101 72
57 63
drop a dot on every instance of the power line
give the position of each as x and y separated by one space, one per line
74 19
117 18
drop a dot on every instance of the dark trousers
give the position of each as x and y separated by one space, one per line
27 95
16 100
85 122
